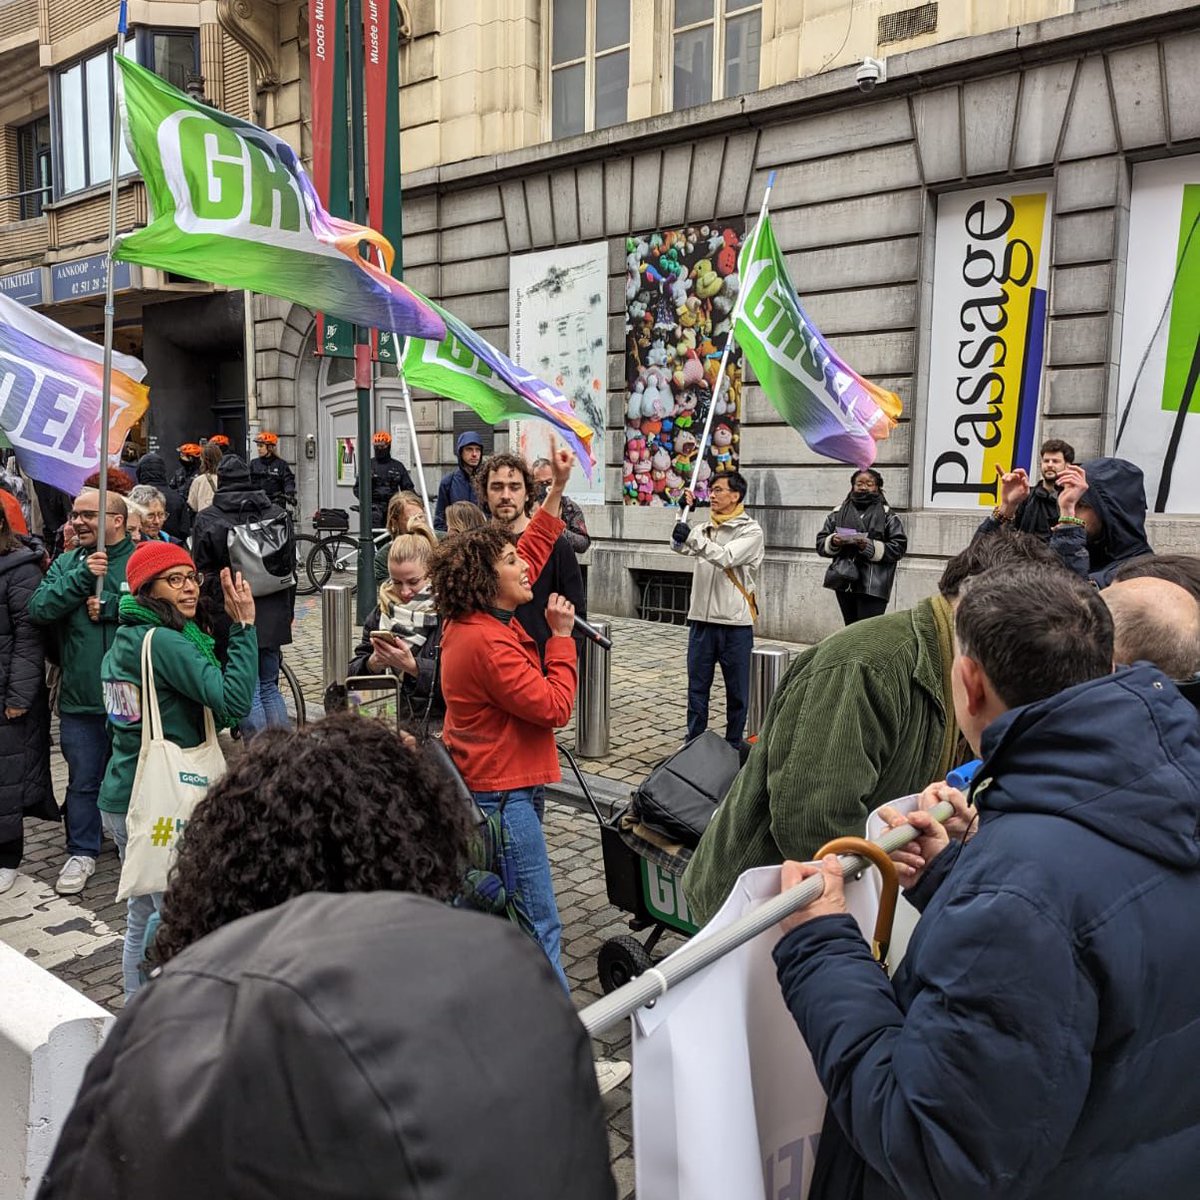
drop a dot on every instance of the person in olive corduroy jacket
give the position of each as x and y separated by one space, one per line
862 718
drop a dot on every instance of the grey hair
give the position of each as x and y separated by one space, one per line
145 495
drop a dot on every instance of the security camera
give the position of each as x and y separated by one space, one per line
872 73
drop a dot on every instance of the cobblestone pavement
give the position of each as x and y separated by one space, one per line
79 938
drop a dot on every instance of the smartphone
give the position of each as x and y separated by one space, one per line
383 635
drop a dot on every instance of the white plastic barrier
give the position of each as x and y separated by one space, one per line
48 1034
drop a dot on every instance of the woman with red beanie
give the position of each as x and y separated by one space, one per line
164 591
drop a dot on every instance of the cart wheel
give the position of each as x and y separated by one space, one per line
619 960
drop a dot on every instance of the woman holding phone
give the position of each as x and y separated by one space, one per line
866 540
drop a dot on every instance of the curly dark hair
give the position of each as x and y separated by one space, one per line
339 806
499 462
462 571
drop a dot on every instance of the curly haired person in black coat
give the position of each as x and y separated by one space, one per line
25 788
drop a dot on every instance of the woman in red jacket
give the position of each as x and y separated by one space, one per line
501 707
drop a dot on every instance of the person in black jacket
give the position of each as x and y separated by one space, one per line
152 471
407 634
506 490
238 502
387 478
270 473
866 540
25 788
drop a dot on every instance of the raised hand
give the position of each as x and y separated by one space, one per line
1071 483
1014 489
239 601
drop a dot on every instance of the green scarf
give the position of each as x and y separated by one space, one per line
135 613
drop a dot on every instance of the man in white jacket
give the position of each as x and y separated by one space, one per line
729 550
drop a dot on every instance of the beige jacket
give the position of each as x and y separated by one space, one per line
737 544
200 494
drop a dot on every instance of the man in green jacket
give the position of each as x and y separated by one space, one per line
84 626
862 718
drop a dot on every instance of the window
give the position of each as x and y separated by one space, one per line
589 65
716 49
84 97
33 167
663 596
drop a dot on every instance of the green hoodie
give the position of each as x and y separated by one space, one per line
186 682
61 602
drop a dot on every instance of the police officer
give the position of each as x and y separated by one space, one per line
189 465
387 478
270 473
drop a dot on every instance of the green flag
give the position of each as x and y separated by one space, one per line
232 205
836 411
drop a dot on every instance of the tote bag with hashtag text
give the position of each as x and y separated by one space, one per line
169 783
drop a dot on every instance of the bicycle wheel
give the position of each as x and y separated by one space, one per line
293 696
304 547
342 559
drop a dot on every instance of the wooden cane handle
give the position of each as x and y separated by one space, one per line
891 886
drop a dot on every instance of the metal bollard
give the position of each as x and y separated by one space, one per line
768 665
337 631
592 701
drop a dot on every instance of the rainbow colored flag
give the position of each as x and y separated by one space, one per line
838 413
50 384
465 367
232 205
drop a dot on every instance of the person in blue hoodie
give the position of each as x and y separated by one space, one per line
1101 515
1039 1040
459 484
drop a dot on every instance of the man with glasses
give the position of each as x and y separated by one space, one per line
84 625
728 548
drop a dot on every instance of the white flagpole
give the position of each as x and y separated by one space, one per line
408 412
738 305
109 309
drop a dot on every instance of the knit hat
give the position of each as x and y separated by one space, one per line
151 559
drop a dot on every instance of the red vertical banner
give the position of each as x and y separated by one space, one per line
331 163
381 57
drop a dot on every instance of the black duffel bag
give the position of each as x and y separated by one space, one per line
679 797
331 518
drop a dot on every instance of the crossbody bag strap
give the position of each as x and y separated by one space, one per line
748 596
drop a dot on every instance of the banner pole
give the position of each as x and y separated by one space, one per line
738 305
412 432
693 957
109 307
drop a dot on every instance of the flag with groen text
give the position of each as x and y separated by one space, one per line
50 385
465 367
838 413
232 205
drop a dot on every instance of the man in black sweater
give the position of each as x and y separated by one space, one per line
506 491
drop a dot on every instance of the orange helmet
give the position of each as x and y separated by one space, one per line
382 438
267 439
219 439
190 450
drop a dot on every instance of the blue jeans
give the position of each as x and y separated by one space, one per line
138 910
267 709
85 746
731 646
523 812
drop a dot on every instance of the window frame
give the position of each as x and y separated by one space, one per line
40 195
588 60
717 21
143 36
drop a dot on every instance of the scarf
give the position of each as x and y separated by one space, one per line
866 513
133 612
740 511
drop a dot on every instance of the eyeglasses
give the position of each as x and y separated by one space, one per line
92 514
177 579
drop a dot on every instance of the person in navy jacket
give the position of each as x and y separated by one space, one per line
1039 1040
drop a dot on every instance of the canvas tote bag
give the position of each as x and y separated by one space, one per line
169 783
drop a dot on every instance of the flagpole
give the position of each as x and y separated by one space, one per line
109 310
738 305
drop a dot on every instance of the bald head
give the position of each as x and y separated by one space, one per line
1155 621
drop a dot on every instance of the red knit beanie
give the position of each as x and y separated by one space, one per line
151 559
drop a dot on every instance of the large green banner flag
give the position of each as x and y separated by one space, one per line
232 205
837 412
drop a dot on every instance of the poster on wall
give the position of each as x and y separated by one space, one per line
990 273
680 288
1158 410
558 323
346 467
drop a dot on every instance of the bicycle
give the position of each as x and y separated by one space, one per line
293 695
304 544
334 555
